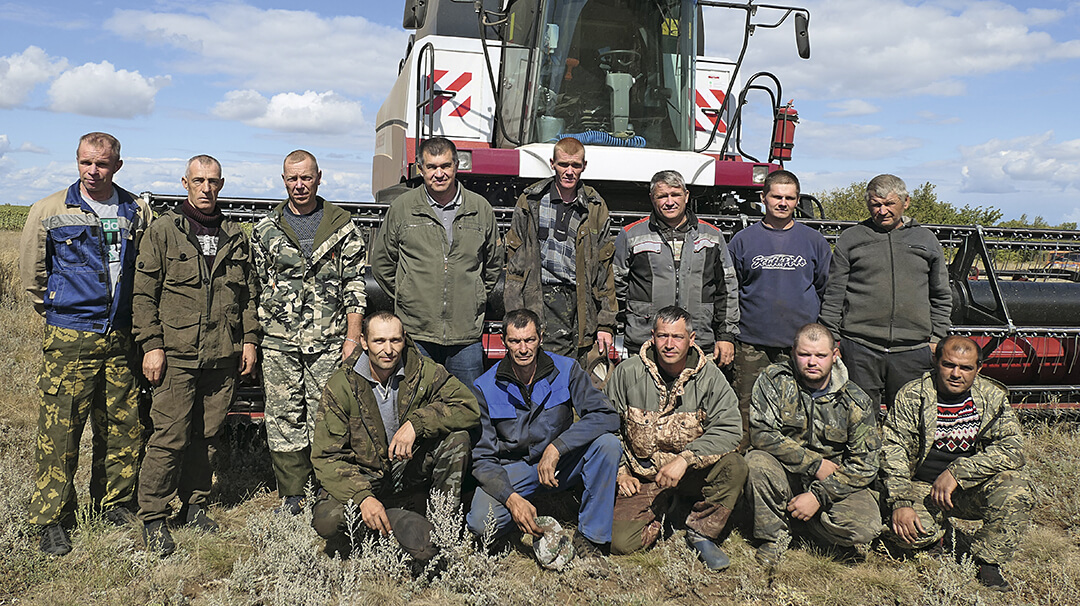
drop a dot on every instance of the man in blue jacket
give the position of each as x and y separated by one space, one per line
530 443
77 261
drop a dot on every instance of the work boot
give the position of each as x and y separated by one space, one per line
55 540
990 576
195 515
291 505
768 554
120 516
157 538
710 552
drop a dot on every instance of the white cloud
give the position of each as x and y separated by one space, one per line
310 112
20 73
891 47
5 145
29 147
99 89
861 142
929 117
852 107
274 50
1030 163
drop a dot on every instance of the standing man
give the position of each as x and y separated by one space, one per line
888 299
438 256
310 259
77 261
392 424
953 448
680 431
674 258
530 442
782 267
815 451
558 257
194 312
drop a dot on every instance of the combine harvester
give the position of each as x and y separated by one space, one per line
505 79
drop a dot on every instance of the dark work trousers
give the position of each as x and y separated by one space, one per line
881 374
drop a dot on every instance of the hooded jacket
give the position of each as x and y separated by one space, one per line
888 290
800 430
349 450
908 436
697 418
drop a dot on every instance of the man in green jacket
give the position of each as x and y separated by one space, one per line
558 257
953 448
680 430
392 425
438 255
310 259
815 451
194 316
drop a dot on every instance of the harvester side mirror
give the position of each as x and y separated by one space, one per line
415 14
802 35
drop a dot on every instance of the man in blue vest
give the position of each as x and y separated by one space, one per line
530 443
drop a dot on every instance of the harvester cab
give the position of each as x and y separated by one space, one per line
506 79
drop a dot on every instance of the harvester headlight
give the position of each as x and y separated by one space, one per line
464 160
760 172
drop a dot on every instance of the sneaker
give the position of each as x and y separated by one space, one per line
195 516
120 516
990 576
768 554
55 540
157 538
708 550
291 505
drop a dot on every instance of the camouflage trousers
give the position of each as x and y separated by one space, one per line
704 498
86 375
188 412
750 361
854 520
1003 503
292 386
436 465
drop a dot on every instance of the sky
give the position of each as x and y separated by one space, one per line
976 97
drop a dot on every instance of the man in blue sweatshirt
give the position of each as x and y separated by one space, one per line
782 268
530 443
888 298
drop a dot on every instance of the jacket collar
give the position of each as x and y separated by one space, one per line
657 224
544 366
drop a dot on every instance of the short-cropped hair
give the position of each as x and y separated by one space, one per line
520 318
958 343
814 332
672 314
671 178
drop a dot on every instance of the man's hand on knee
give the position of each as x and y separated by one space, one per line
374 515
906 524
804 506
670 474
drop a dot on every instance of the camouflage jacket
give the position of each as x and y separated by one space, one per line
199 315
697 419
593 249
350 451
909 430
303 302
800 431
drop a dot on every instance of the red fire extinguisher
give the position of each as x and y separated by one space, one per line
784 132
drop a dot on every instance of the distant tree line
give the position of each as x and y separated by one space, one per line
849 204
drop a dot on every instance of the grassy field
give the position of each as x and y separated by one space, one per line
259 558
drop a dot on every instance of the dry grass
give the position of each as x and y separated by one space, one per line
261 558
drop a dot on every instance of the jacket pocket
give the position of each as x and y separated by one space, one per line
181 269
640 428
180 331
71 246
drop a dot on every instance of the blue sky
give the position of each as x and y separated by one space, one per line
977 97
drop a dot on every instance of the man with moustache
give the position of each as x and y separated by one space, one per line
674 258
558 257
953 448
392 426
309 258
438 255
77 262
194 313
815 450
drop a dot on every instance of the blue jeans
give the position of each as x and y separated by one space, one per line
595 467
466 362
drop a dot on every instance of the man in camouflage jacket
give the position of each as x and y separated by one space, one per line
310 259
680 430
953 447
380 440
815 450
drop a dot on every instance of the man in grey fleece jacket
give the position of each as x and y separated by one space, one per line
888 298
